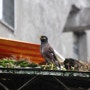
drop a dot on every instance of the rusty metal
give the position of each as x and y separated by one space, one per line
64 78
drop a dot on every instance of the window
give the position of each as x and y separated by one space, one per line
7 12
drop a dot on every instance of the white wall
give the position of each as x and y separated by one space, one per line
42 17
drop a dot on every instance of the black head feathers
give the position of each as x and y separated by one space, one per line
44 39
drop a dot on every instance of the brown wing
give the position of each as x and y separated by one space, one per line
52 53
49 53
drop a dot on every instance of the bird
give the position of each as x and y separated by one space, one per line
48 52
69 63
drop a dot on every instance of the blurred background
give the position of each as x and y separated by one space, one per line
65 22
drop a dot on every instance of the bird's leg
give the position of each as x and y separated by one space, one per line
52 66
68 66
45 66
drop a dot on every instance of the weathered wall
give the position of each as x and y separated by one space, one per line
34 18
41 17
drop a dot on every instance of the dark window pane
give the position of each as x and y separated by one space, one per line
8 12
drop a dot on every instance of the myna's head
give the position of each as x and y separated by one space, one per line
43 39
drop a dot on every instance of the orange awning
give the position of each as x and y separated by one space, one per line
9 48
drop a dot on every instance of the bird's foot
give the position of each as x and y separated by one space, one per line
44 67
52 66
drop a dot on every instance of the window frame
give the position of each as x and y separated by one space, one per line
1 17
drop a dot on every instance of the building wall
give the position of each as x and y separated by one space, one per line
88 45
41 17
34 18
6 31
